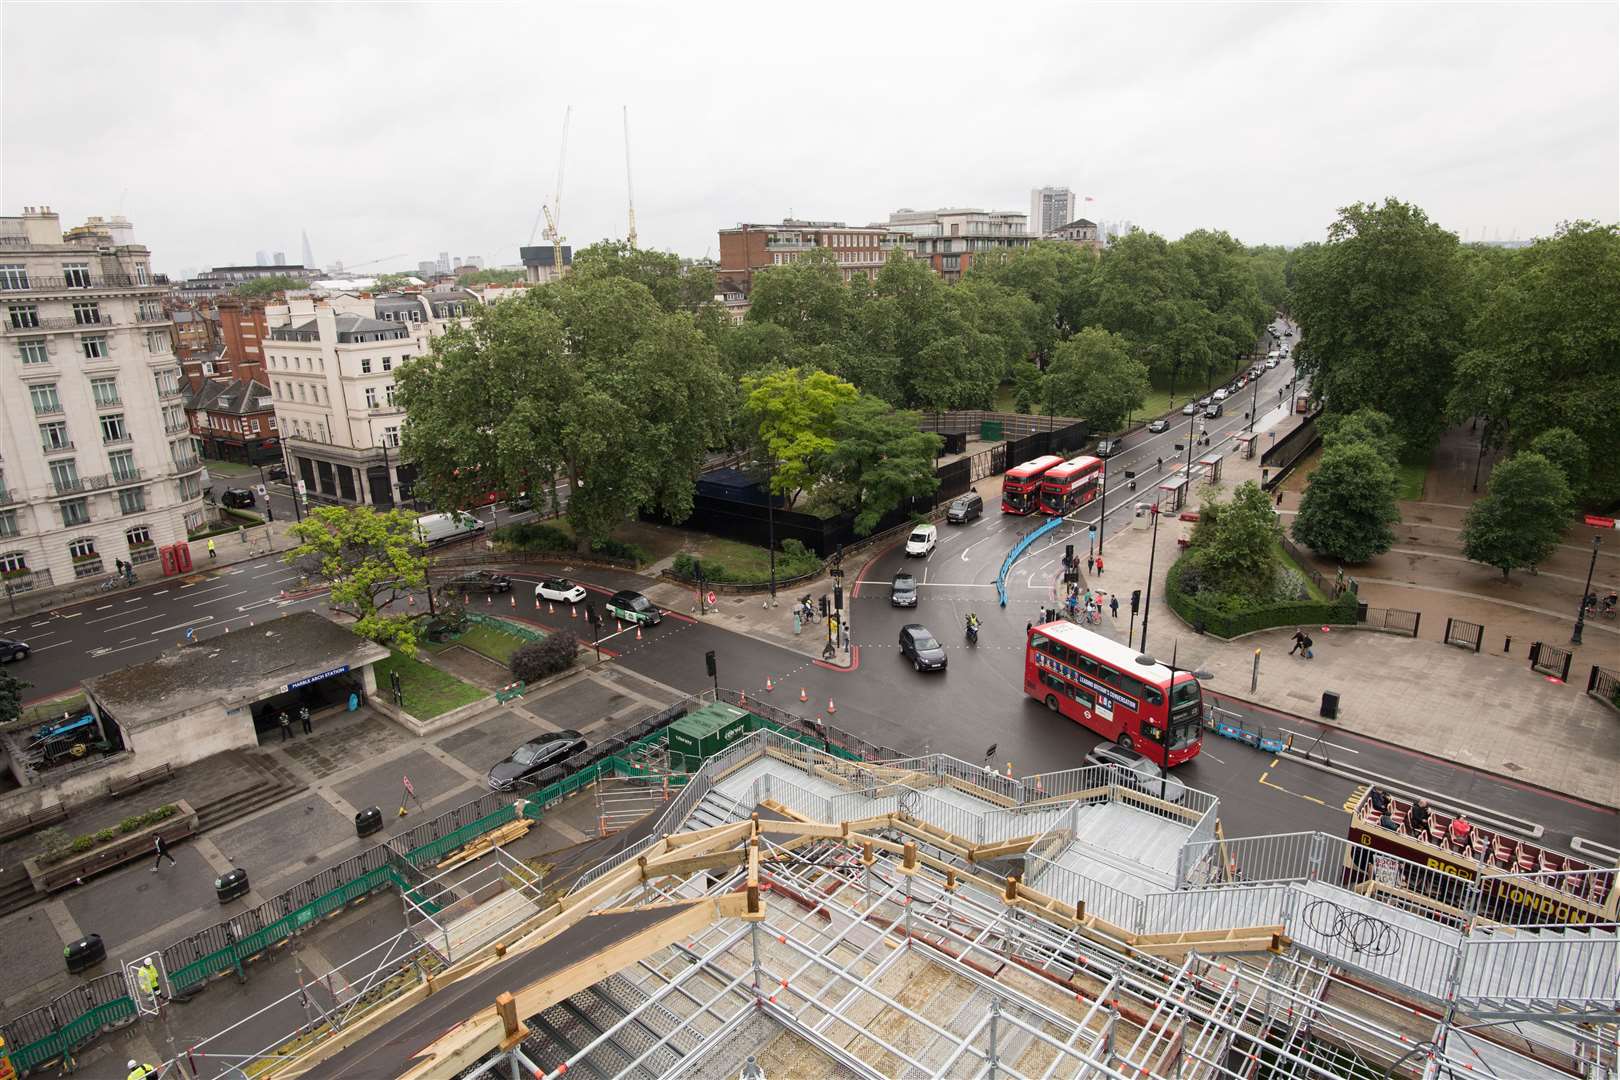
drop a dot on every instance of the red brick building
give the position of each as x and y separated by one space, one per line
861 249
242 331
235 419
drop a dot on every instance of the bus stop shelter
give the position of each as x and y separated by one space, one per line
1210 466
1172 493
1245 444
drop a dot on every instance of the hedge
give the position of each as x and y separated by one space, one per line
538 537
1265 617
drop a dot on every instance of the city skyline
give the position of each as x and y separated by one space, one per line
1501 121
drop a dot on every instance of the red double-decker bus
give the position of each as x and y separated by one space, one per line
1103 685
1021 485
1071 485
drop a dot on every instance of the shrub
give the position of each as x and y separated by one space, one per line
537 659
533 536
1289 584
129 824
104 835
618 549
1225 615
81 844
152 817
792 560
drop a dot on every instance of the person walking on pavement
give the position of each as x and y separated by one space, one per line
1113 606
1091 562
1299 641
137 1071
1306 647
1279 498
211 552
303 717
162 850
1099 566
286 725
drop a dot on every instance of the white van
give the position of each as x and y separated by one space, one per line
437 529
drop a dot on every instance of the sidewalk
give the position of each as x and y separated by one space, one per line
1486 710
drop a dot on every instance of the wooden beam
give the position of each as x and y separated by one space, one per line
713 860
1006 847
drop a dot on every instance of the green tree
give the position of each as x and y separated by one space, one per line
882 459
1093 375
677 285
1364 426
807 298
793 416
587 379
1349 504
269 285
1522 517
1383 306
11 689
1029 388
390 282
1235 551
1566 450
371 560
491 277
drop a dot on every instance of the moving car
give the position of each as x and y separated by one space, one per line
1205 400
11 649
922 540
1108 447
1189 409
1220 395
632 607
920 647
487 581
1137 771
1164 425
903 590
560 590
1273 355
443 528
1271 363
534 756
965 508
276 472
1215 409
237 498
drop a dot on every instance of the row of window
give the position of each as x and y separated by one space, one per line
93 346
83 549
1102 673
250 426
75 275
103 392
316 363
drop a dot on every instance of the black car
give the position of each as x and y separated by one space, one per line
276 472
919 646
237 498
965 508
1159 425
903 590
13 650
632 607
525 763
485 581
1107 447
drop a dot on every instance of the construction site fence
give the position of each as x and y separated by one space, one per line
1072 887
1604 685
1219 908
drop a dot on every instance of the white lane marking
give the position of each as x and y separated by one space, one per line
160 592
217 599
1297 736
193 585
31 626
42 648
75 615
104 618
135 600
183 626
216 588
234 572
103 607
121 648
137 622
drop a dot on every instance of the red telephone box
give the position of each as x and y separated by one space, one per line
182 554
171 565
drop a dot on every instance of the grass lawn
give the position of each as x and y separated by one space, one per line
49 711
429 692
1316 594
229 468
1409 481
490 642
740 560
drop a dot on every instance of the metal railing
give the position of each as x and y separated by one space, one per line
1216 909
1070 886
1601 683
1395 620
1053 785
977 775
57 282
1463 634
1550 660
1568 968
1280 857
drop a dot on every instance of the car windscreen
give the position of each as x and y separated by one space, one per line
640 603
925 641
526 754
919 538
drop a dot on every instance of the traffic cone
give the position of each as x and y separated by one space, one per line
1009 770
638 631
769 686
831 708
489 598
514 601
803 694
551 609
742 697
573 611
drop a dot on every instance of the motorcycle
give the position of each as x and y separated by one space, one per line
972 631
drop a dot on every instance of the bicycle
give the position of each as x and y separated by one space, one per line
113 583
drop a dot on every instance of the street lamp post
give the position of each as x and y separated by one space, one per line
1191 421
1580 616
1102 517
1254 404
770 515
1153 551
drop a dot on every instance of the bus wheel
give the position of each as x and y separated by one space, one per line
1051 702
1125 742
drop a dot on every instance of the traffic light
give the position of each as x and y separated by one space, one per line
590 613
697 570
708 662
838 596
1136 601
1068 554
823 603
838 555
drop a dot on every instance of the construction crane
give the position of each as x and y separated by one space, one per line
629 186
553 212
369 262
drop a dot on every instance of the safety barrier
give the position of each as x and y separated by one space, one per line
1604 685
1395 620
93 1007
1018 549
1464 635
1550 660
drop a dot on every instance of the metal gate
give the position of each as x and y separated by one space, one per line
1550 660
1464 635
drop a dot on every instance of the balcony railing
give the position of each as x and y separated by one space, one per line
98 482
114 440
60 447
177 427
187 464
8 497
52 409
170 392
60 283
151 316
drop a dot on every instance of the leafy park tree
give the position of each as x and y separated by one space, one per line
494 277
1234 547
1362 426
1349 504
1093 375
269 285
11 689
1522 517
1566 450
807 298
1383 308
881 459
371 561
588 380
675 284
793 416
1029 389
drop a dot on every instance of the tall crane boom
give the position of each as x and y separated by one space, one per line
554 211
629 185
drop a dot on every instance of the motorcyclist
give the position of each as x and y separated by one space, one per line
972 626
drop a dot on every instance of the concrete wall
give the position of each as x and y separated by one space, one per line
191 736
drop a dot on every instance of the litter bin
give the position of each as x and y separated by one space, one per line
231 884
368 821
1330 704
87 952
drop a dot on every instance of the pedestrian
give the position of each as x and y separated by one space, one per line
1279 498
286 725
303 717
1306 645
162 851
211 552
1113 606
1161 464
1299 641
149 980
119 563
1099 566
1091 562
137 1071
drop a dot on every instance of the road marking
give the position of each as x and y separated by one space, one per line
137 622
192 585
134 599
216 588
105 651
75 615
1285 791
160 592
1481 814
42 648
1355 797
183 626
217 599
104 618
103 607
47 622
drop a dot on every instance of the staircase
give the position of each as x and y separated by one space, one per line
276 784
716 808
1567 970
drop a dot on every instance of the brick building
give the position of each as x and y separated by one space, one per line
861 250
235 419
1081 233
242 331
948 240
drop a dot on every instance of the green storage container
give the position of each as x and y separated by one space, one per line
698 736
990 430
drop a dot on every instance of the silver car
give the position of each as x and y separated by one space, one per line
1135 770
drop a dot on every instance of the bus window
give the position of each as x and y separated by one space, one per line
1041 643
1184 693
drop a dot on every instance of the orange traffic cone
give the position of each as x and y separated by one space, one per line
638 631
514 600
489 598
803 694
551 609
573 611
831 708
618 627
769 686
742 697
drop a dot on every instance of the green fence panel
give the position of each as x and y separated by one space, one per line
80 1029
434 850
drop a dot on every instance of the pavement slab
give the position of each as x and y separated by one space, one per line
338 744
127 903
285 840
581 703
493 737
31 949
432 779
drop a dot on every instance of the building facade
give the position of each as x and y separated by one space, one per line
234 420
242 330
540 263
331 365
861 250
1050 208
949 239
97 462
1080 232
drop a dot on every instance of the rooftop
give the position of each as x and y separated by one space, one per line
232 669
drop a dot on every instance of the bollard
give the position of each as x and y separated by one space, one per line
1507 645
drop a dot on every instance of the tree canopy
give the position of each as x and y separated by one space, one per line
676 284
1234 547
1522 517
794 415
269 285
1349 504
371 560
1094 376
882 458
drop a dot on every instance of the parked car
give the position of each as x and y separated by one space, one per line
922 540
276 472
965 508
1164 425
534 756
238 498
1134 769
903 590
632 607
560 590
481 581
1204 401
1272 362
1273 355
1189 409
1219 395
1108 447
11 649
520 503
921 648
1215 409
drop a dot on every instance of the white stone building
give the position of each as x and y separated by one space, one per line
1050 208
96 459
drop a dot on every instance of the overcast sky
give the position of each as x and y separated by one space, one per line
395 132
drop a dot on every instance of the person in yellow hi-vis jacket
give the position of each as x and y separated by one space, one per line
137 1071
149 980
